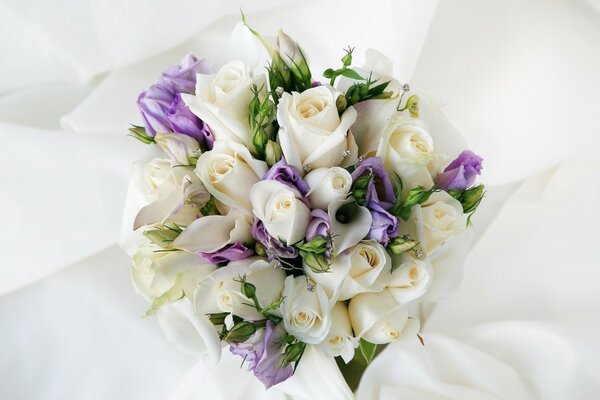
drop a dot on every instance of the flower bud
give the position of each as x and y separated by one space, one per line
471 198
260 139
293 352
273 153
401 245
139 132
317 262
181 149
240 332
163 236
341 103
249 290
218 318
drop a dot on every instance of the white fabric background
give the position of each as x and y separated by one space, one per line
519 79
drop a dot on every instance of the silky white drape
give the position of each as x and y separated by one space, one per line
519 79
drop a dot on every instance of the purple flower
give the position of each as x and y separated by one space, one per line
319 225
231 252
181 78
265 357
274 247
384 226
284 173
162 108
380 189
460 173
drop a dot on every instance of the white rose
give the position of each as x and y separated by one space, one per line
365 268
181 149
154 174
178 200
437 220
190 331
410 279
377 317
157 273
228 172
284 215
222 291
213 232
222 100
305 312
328 185
340 341
312 133
406 149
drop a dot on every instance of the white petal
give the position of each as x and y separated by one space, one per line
190 332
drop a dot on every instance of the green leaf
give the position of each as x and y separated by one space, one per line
350 73
367 349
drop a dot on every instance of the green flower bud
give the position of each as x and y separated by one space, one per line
249 290
347 59
162 236
341 103
317 262
218 318
139 132
293 352
240 332
401 245
260 139
471 198
273 153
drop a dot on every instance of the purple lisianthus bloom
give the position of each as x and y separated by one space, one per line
162 108
384 226
460 173
232 252
319 225
288 175
380 189
265 356
274 247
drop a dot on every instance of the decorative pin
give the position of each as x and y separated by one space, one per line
346 153
279 91
307 168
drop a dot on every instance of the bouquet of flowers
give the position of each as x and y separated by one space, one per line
287 214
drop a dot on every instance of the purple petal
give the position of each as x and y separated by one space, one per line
231 252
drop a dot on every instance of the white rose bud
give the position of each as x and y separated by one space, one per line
305 310
222 291
377 317
410 279
437 220
406 149
340 341
181 149
222 100
312 133
228 172
328 185
278 206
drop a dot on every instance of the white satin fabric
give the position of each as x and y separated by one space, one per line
519 79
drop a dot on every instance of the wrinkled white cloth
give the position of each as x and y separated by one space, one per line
519 80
